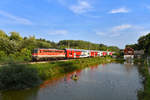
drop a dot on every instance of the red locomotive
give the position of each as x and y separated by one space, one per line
45 54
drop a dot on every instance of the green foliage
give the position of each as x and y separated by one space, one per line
18 49
2 55
145 93
26 54
42 44
29 43
3 34
31 75
8 46
79 44
119 54
113 48
143 44
68 66
18 77
15 36
134 46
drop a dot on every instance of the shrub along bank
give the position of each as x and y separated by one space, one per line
145 93
32 75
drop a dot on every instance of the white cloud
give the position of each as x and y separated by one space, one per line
116 30
121 27
15 18
119 10
100 33
124 29
58 32
81 7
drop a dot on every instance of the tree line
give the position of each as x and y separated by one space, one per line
14 47
143 43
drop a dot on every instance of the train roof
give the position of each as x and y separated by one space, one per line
46 49
70 49
76 49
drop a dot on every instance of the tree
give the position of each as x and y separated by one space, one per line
29 43
15 36
3 34
26 54
2 55
8 46
143 44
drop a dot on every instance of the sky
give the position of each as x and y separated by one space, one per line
111 22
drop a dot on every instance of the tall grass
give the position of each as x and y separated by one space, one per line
145 93
31 75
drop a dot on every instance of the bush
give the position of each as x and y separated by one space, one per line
26 54
2 55
18 77
68 66
145 93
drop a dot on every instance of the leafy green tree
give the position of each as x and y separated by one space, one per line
3 34
2 55
143 44
29 43
26 54
15 36
8 46
41 44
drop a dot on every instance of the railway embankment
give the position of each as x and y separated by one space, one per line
25 76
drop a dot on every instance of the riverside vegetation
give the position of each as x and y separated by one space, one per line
145 93
23 76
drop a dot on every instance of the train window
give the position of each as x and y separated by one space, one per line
48 51
53 51
35 51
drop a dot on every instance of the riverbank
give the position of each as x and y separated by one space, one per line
25 76
144 70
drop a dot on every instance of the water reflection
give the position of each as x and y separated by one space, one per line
99 82
129 65
93 68
20 95
51 82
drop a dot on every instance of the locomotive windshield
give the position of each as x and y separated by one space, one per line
35 51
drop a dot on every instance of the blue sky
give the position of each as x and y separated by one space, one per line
112 22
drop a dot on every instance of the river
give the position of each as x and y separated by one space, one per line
101 82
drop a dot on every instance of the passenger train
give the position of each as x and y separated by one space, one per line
46 54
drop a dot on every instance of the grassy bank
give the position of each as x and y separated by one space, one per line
31 75
145 93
